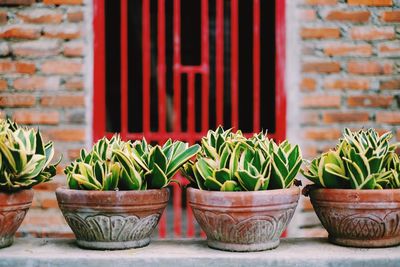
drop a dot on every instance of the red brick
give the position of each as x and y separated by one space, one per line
348 49
38 48
3 17
308 84
307 14
67 134
76 16
390 16
3 85
390 85
37 83
17 100
352 16
36 117
63 101
322 134
369 67
40 16
309 118
74 84
389 49
369 101
321 101
353 84
62 67
320 33
321 67
70 31
17 67
345 117
388 117
73 153
73 49
320 2
63 2
17 2
49 203
307 206
372 33
370 2
20 32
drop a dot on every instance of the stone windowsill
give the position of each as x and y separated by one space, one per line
292 252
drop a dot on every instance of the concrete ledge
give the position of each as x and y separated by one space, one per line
292 252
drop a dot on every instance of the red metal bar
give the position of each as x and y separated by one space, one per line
99 81
191 118
235 63
256 66
161 68
156 136
280 58
177 206
124 68
205 90
146 64
177 65
190 230
219 62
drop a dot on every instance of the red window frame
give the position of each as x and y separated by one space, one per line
99 91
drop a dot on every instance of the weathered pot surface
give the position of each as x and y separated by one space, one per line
243 221
359 218
13 208
112 219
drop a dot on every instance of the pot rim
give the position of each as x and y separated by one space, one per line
22 191
349 190
271 192
63 189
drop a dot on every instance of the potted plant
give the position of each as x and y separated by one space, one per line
24 162
356 190
241 189
117 191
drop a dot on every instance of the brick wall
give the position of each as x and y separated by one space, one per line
348 56
42 84
349 65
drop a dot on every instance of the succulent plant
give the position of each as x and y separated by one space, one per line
24 157
361 160
114 164
231 162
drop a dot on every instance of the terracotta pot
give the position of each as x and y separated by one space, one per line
112 219
359 218
243 221
13 208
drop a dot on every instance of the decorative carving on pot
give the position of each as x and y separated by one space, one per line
360 218
243 221
13 208
256 229
106 227
112 219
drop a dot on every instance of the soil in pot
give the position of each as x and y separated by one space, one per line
359 218
243 221
13 208
112 220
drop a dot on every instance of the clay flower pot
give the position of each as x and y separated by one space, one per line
243 221
13 208
359 218
112 219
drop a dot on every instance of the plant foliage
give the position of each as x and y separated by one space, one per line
113 164
24 157
362 160
231 162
